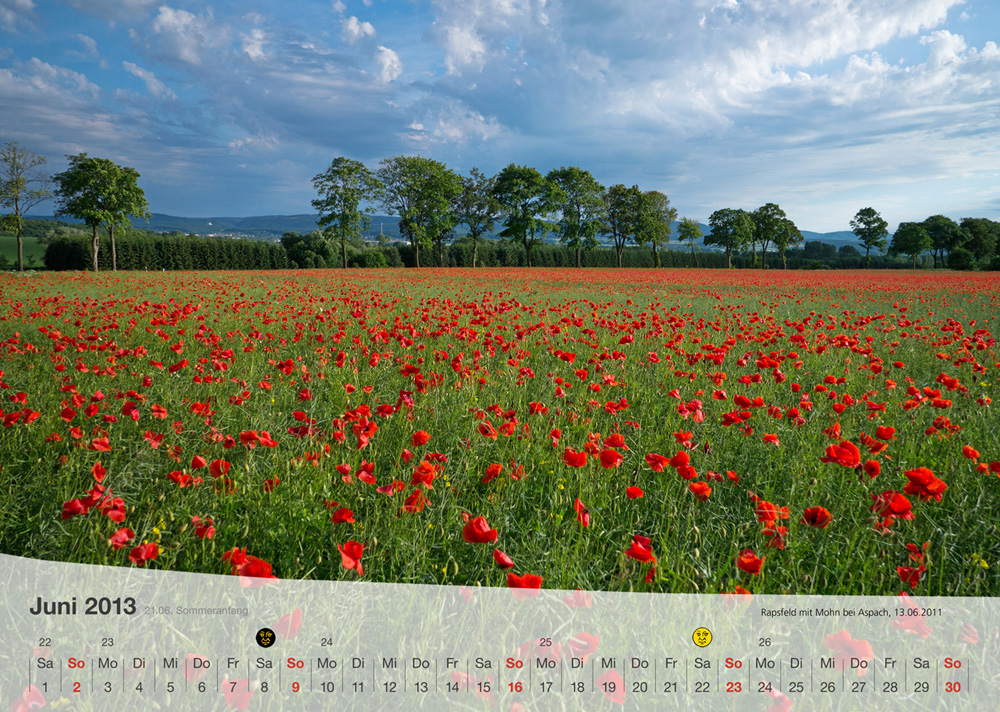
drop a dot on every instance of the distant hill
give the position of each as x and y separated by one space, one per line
273 226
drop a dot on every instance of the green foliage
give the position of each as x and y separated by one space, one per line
961 259
871 230
22 187
421 192
945 235
167 252
689 231
655 217
525 198
579 200
983 237
732 229
342 189
910 239
769 222
624 208
98 191
476 207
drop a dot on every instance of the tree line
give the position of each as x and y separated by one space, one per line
431 201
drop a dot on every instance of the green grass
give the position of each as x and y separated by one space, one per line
516 319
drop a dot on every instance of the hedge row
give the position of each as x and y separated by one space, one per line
166 252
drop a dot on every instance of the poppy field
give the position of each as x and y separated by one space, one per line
674 431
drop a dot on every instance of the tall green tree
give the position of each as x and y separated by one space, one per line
786 236
99 191
580 205
910 239
525 199
476 207
623 212
342 188
984 236
689 231
732 230
871 230
22 187
768 225
946 235
420 191
83 191
655 220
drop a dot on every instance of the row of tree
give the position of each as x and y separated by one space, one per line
431 200
95 190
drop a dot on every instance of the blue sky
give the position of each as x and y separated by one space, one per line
230 109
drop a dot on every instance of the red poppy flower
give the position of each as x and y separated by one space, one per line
885 432
582 515
817 517
640 549
343 516
634 492
657 462
610 458
203 528
924 484
237 693
477 531
701 490
419 438
492 472
970 452
845 453
218 468
120 538
872 468
748 561
572 458
350 556
143 553
288 625
503 561
530 583
910 574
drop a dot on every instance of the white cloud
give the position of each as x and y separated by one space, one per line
352 30
13 10
253 44
154 85
49 77
89 45
389 65
338 6
186 36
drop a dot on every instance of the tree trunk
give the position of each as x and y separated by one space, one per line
656 256
343 251
20 249
114 250
441 253
697 266
527 251
729 258
475 251
868 261
95 245
914 262
763 257
784 262
416 254
578 265
618 252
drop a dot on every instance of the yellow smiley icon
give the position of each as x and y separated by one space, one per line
702 637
